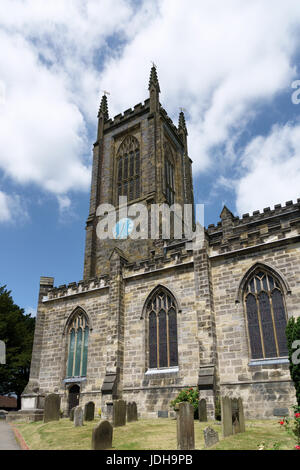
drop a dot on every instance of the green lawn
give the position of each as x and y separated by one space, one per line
154 434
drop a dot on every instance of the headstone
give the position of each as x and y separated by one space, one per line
241 415
202 411
119 413
52 408
281 412
78 416
226 416
211 437
134 411
102 436
131 412
235 416
185 426
72 414
89 411
163 414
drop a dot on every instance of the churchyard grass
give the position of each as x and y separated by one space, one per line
154 434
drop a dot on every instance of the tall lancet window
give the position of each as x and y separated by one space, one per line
162 330
128 168
78 336
169 176
266 316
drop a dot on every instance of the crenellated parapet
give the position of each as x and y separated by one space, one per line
270 225
74 288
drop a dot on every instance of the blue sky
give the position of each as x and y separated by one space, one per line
229 64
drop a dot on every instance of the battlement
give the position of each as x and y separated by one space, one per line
169 120
77 288
128 113
259 227
173 256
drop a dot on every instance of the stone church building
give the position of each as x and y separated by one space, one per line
152 317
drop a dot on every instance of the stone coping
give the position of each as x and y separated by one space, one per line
169 370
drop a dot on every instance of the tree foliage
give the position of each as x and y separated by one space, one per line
16 330
293 334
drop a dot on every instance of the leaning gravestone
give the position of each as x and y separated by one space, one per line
185 426
52 408
202 411
78 416
72 414
89 411
211 437
102 436
235 416
226 416
241 415
119 413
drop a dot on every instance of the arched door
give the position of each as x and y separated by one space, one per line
74 393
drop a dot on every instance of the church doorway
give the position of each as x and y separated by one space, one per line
74 393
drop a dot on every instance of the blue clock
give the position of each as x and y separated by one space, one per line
123 229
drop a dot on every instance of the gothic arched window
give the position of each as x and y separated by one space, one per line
266 316
128 168
78 336
169 176
162 330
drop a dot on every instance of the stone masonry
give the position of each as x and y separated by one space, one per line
207 286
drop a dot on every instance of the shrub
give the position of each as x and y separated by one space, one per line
293 334
292 425
189 394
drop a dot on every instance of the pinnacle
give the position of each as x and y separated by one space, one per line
153 78
104 108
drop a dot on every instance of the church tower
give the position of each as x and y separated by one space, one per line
143 156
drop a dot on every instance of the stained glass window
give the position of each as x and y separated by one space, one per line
128 168
78 335
266 316
162 328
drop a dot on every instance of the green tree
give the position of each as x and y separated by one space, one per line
293 334
16 330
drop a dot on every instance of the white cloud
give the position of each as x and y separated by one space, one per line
272 167
11 208
51 82
30 311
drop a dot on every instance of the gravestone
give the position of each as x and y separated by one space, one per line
72 414
102 436
78 416
185 426
235 416
131 412
280 412
163 414
202 411
89 411
226 416
119 413
241 415
52 408
211 437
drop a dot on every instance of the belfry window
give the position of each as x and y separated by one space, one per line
128 168
78 336
162 330
266 316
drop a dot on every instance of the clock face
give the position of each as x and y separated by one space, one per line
123 229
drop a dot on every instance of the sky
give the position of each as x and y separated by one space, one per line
231 65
